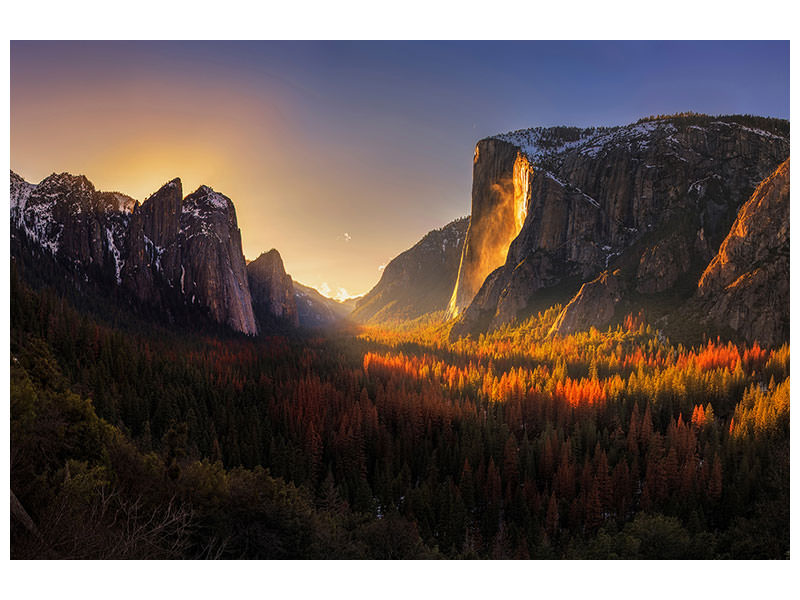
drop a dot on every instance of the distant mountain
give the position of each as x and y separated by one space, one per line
272 290
316 310
169 252
278 300
418 281
351 303
556 208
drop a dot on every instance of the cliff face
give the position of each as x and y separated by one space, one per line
213 266
654 199
418 281
500 193
164 252
154 226
272 289
746 286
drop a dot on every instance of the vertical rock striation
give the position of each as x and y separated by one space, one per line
213 269
154 227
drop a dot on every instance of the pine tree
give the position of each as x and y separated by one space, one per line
551 519
715 481
594 508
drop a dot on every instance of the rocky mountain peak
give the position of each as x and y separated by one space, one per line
268 261
159 215
66 182
212 267
65 192
272 289
166 252
205 199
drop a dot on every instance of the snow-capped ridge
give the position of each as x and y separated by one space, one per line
148 249
211 198
545 145
540 143
75 182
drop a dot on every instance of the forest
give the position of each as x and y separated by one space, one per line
158 441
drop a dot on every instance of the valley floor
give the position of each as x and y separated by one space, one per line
391 443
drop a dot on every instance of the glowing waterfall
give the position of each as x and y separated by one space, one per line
504 210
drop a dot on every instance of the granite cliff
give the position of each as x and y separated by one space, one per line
594 304
500 177
745 288
272 289
653 199
165 252
65 215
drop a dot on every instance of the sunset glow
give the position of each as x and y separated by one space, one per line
314 139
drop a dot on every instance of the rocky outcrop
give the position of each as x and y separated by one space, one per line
654 199
746 286
189 249
592 306
166 252
418 281
271 289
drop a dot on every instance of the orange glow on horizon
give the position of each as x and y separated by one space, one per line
136 115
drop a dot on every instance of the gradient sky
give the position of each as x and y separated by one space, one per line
343 154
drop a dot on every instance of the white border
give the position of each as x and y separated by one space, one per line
414 19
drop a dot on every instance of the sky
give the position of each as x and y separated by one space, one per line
343 154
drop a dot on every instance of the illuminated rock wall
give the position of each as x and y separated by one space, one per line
500 195
654 199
